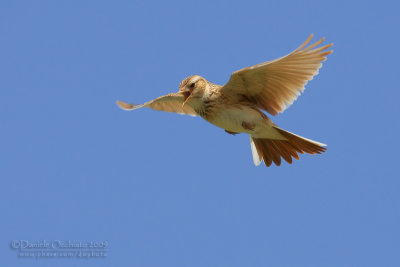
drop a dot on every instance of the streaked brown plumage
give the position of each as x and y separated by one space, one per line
237 106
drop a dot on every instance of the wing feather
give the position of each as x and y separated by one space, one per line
274 85
169 103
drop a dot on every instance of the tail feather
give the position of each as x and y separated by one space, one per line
283 152
269 150
256 156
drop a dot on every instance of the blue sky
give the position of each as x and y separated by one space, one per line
169 190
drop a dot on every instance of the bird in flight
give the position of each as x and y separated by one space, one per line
237 106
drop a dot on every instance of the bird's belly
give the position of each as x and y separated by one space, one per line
239 120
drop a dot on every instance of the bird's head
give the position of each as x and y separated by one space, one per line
193 89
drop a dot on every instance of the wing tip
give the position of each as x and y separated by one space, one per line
306 42
125 106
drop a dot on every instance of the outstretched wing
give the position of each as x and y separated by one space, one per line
274 85
169 103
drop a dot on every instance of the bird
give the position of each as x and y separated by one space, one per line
240 106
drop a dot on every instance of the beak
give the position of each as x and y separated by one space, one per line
186 96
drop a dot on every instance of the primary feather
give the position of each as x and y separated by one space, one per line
274 85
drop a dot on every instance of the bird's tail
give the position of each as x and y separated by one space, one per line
271 150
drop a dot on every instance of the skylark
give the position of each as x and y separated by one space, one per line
237 106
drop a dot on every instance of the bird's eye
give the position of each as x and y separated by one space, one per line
192 85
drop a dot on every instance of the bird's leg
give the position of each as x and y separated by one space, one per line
229 132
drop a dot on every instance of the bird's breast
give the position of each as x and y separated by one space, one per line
236 118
